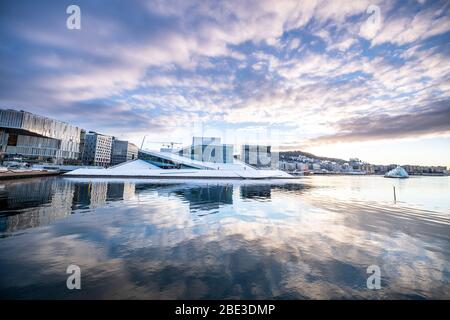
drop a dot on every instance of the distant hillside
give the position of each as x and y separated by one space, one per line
288 154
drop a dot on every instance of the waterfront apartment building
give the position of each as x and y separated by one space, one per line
425 170
122 151
208 149
34 138
97 149
258 156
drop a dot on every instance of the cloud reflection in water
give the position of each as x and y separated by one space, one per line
207 240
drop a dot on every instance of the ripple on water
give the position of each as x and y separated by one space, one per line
209 240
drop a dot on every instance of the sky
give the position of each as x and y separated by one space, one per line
366 79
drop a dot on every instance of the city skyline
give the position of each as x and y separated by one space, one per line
113 151
366 79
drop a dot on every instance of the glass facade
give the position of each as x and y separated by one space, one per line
208 149
161 162
123 151
31 136
257 155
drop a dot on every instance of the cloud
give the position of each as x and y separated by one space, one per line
372 25
307 66
418 122
409 28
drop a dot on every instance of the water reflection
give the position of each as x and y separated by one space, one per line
31 203
207 197
207 240
259 192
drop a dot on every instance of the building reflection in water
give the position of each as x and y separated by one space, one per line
258 192
90 195
199 197
206 198
32 203
162 242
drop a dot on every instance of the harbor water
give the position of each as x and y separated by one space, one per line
309 238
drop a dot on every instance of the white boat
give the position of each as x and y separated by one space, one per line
398 172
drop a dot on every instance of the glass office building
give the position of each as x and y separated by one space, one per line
30 137
123 151
258 156
97 149
208 149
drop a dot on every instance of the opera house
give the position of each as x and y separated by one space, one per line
205 158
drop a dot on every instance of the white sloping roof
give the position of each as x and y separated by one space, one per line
140 168
133 165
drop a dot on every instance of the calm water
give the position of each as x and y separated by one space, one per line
312 238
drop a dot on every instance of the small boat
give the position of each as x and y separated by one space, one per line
398 172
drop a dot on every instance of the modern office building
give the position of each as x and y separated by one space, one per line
208 149
122 151
256 155
97 149
34 138
82 141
